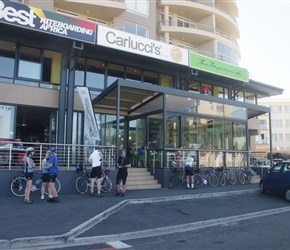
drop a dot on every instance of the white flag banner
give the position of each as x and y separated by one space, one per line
89 113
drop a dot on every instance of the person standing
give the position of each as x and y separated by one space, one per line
45 175
189 166
53 172
28 173
123 164
96 160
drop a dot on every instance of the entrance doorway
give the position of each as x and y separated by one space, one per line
33 124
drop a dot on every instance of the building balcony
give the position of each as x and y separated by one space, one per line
196 33
105 10
225 12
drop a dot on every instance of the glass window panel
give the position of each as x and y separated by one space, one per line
155 133
194 87
130 27
51 66
218 91
142 31
250 98
151 77
115 72
133 73
7 58
29 63
239 131
95 74
228 135
166 81
172 129
7 116
80 72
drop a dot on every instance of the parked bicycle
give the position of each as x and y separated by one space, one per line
226 175
18 185
178 176
245 174
83 183
209 176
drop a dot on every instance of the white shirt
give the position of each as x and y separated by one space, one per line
95 158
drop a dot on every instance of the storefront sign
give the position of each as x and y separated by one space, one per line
217 67
45 21
89 113
124 41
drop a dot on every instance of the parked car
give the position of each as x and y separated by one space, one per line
11 151
277 179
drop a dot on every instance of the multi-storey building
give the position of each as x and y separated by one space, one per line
161 74
276 127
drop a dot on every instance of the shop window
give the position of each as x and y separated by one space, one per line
206 89
95 77
7 116
7 59
29 63
80 72
218 91
133 74
194 87
166 81
150 77
115 72
51 66
250 98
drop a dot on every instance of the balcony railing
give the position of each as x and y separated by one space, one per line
199 26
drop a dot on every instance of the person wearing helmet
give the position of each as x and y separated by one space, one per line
28 172
53 172
189 165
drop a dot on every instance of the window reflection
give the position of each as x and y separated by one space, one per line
7 59
115 72
95 74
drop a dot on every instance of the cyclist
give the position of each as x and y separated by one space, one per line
189 165
28 172
45 175
96 160
53 169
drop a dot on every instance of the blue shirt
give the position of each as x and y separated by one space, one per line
54 161
29 170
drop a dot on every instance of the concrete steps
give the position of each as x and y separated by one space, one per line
140 178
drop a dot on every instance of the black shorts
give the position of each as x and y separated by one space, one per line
96 172
52 178
28 176
188 171
45 177
121 176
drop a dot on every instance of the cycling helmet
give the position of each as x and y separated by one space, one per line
50 148
30 149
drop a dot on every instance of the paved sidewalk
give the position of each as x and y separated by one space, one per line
20 220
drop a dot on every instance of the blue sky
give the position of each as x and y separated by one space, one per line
265 41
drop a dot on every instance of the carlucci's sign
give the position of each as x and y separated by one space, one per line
120 40
45 21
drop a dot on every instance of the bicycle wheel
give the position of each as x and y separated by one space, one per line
106 185
81 185
233 178
222 179
250 179
197 180
213 180
18 186
171 181
242 178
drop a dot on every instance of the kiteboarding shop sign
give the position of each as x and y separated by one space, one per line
29 17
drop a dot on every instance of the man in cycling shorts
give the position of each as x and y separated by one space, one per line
188 169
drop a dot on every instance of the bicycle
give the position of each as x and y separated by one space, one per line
209 176
177 174
83 183
18 185
245 174
226 175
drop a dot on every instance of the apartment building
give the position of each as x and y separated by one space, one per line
278 123
160 74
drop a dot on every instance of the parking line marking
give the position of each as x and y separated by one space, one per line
118 244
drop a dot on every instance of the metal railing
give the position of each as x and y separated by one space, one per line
11 154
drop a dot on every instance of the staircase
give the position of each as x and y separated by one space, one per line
140 178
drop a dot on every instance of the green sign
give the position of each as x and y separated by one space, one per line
217 67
